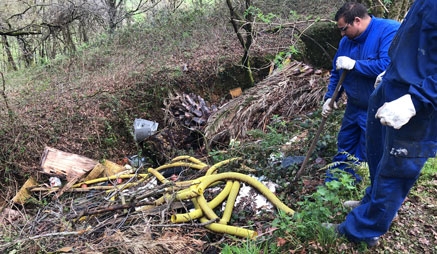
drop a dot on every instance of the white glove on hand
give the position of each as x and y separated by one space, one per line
326 109
396 113
379 79
344 62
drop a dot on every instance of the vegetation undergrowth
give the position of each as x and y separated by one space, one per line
304 230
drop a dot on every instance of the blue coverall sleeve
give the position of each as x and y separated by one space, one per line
372 67
424 94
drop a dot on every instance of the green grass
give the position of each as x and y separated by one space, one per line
430 168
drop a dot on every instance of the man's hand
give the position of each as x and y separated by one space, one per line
396 113
326 109
379 79
344 62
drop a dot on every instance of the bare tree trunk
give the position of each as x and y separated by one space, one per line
112 13
69 45
52 51
246 44
83 30
248 28
5 98
26 54
11 61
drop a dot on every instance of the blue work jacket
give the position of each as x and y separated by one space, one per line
414 67
414 71
370 50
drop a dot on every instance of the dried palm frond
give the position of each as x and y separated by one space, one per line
293 89
188 110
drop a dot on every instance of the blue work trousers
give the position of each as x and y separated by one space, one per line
351 142
395 159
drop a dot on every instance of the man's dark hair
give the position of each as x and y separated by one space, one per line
350 10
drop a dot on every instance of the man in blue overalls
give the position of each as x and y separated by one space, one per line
363 51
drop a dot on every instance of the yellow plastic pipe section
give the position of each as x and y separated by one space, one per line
190 158
208 180
207 211
230 202
158 175
197 213
180 164
107 178
226 229
184 194
231 230
214 167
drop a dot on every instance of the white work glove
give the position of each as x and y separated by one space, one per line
396 113
326 109
344 62
379 79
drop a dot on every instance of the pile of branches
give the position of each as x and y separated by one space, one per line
111 229
295 88
105 217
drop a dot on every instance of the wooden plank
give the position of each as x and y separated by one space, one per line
65 187
63 164
23 194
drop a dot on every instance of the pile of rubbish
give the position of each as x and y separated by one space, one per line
99 200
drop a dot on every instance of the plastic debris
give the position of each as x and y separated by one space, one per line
291 161
55 182
144 129
136 162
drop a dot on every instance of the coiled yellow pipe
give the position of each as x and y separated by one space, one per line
208 180
226 229
197 213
